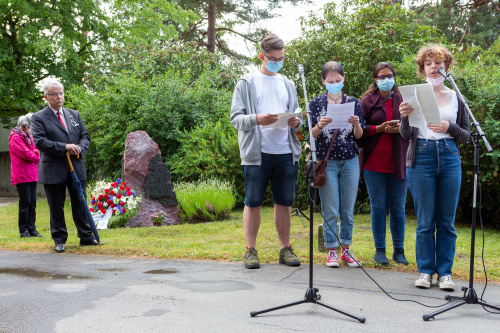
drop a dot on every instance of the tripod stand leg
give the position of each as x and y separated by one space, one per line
254 313
488 305
297 212
426 317
360 319
312 296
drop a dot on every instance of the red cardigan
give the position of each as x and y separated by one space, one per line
375 113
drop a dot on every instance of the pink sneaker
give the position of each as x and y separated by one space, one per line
348 258
332 259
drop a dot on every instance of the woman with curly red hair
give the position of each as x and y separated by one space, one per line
434 172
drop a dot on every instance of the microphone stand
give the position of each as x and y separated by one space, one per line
312 295
470 296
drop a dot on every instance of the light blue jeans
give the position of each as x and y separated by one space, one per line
338 197
434 181
386 191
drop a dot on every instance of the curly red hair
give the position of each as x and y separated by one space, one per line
431 51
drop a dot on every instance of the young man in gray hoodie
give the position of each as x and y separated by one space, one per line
267 154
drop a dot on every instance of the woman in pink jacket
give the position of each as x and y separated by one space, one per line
24 158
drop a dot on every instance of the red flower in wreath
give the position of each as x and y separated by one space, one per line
109 202
99 205
129 193
119 195
127 188
124 210
106 190
122 187
122 203
112 192
106 197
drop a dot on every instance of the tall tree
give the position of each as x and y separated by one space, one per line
220 17
39 39
150 22
69 39
463 22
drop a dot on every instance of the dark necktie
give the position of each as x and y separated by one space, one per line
60 119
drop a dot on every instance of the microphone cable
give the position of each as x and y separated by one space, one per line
371 278
482 253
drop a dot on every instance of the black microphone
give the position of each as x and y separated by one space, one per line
301 69
444 73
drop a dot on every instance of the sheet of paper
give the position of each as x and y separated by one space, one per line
282 120
340 114
421 97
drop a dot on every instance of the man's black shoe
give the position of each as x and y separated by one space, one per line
35 234
25 234
88 242
60 248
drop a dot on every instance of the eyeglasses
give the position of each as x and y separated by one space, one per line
383 77
274 59
56 94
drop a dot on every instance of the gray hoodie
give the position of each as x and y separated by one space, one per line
244 119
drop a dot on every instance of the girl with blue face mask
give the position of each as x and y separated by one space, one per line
383 161
338 195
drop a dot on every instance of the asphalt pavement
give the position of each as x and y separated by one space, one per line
49 292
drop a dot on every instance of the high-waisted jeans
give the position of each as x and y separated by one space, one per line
434 182
386 191
338 196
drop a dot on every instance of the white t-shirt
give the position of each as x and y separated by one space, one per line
272 97
449 113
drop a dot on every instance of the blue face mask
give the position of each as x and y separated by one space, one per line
386 84
274 66
334 88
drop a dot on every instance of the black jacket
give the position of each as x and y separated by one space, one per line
51 139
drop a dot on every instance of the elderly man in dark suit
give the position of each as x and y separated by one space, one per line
58 131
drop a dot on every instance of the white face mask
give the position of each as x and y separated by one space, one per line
435 82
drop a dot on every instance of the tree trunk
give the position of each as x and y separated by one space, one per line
211 27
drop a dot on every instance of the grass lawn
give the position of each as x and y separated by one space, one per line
225 241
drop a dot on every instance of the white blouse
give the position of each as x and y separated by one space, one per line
449 113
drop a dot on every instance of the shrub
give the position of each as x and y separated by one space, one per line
210 151
205 200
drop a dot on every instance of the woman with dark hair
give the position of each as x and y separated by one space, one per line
24 158
338 195
383 162
434 172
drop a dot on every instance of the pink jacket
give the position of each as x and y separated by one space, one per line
24 158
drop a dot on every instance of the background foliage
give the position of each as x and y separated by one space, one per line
161 92
129 68
39 39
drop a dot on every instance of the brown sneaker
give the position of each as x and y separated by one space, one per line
251 258
288 257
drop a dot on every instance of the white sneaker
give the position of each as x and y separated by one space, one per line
424 281
332 259
445 283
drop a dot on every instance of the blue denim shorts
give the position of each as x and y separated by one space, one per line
277 168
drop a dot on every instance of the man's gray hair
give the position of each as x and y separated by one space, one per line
24 121
51 83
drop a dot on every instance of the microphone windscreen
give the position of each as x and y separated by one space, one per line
442 72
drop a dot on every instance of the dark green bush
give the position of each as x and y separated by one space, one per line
164 93
210 151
